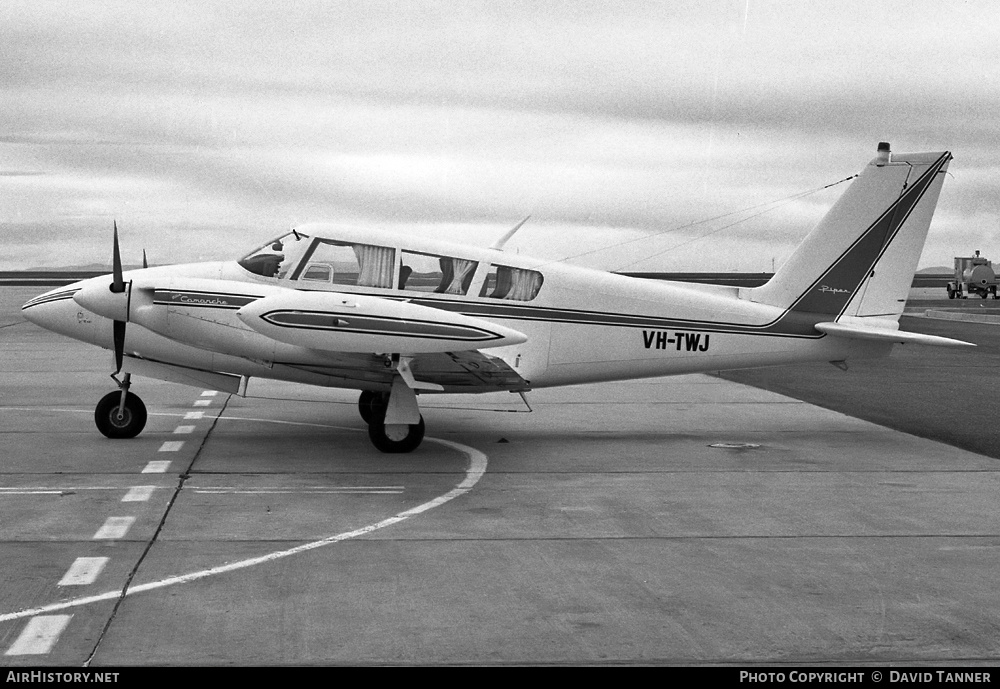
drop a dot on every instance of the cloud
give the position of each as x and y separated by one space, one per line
225 123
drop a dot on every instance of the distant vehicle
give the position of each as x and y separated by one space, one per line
973 275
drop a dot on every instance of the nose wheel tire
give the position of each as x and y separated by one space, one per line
116 422
395 438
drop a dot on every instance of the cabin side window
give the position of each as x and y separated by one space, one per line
434 273
342 263
515 284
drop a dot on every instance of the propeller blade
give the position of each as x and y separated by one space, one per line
144 263
119 338
118 285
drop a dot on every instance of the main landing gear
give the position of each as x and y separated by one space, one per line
120 414
389 437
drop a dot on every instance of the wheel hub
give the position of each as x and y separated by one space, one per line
121 417
396 432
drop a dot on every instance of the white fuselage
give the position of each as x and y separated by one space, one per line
396 315
582 326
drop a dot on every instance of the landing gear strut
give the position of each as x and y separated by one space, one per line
120 414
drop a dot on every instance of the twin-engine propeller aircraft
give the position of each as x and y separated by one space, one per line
396 316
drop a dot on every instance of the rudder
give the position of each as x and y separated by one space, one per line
860 259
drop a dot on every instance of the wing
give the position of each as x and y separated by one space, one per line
456 372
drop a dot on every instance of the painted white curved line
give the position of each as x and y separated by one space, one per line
477 467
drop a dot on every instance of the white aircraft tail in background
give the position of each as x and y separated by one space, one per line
395 315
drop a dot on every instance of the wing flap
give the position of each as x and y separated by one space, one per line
185 375
455 372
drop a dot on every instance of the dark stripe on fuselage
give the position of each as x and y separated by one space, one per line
792 324
377 325
814 305
49 298
819 302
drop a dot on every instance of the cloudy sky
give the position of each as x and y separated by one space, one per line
639 136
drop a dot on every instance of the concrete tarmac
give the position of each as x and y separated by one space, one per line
681 521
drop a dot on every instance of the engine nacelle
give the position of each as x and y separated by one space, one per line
338 322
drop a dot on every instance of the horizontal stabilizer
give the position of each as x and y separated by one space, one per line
858 332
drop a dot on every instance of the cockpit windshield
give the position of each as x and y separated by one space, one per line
276 258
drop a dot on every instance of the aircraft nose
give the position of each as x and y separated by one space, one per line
56 311
40 309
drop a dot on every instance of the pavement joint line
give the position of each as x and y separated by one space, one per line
139 493
292 491
91 411
288 423
119 596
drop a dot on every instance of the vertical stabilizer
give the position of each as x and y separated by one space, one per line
860 259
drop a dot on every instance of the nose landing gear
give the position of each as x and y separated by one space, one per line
120 414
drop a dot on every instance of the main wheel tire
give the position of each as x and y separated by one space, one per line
133 416
395 438
371 404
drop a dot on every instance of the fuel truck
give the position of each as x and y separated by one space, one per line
973 275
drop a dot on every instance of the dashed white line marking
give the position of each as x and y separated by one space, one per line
194 415
54 490
83 571
157 466
180 430
210 393
171 446
477 467
202 403
114 527
140 493
39 635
